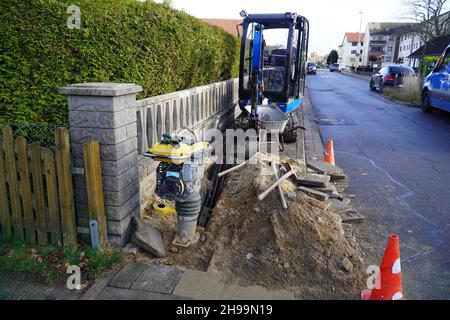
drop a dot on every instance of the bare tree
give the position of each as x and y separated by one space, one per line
431 22
431 19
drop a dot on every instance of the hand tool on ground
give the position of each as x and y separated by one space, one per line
224 173
280 191
286 167
263 195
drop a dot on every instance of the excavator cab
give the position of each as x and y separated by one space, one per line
274 51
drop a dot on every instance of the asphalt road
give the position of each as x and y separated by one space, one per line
398 162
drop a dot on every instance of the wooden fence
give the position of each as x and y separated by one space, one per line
36 190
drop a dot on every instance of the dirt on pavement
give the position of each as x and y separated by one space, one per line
304 248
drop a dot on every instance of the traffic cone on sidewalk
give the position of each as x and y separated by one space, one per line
329 153
390 280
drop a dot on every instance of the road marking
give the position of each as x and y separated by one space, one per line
403 197
408 194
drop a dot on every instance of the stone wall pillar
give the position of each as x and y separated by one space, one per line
107 112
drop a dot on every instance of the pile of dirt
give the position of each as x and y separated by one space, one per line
303 248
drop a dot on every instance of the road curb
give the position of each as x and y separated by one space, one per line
383 96
389 99
312 138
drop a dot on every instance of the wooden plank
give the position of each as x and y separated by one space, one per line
94 184
54 224
5 220
11 177
38 194
65 186
25 189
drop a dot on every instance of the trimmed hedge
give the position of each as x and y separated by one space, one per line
427 62
150 44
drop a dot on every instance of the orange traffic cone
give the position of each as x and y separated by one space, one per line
329 154
390 275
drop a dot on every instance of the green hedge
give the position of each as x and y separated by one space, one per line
150 44
427 63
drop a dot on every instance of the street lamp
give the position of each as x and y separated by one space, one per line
359 43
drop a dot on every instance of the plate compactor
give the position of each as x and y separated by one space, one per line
178 178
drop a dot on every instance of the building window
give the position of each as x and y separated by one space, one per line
389 49
353 52
354 44
377 49
388 59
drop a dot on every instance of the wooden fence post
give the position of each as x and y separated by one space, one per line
94 184
39 197
10 157
65 184
54 225
5 220
25 186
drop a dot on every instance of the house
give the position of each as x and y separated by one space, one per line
314 57
381 42
411 42
340 54
351 50
435 48
229 25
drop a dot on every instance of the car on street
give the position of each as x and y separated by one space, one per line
335 67
390 76
436 89
312 68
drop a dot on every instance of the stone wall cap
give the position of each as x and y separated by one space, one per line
100 89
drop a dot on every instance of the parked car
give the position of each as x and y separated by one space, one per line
436 89
335 67
390 76
312 68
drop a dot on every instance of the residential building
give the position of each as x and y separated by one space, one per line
381 42
435 48
340 54
351 50
314 57
409 42
229 25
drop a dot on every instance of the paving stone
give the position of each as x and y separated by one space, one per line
339 206
158 279
352 216
99 285
330 189
200 285
148 238
111 293
235 292
313 180
128 275
323 167
314 194
336 176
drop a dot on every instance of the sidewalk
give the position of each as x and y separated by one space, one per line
137 281
313 143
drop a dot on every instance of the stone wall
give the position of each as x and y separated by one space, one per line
125 127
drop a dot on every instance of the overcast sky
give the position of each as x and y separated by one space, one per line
329 19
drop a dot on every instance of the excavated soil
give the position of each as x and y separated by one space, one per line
304 248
